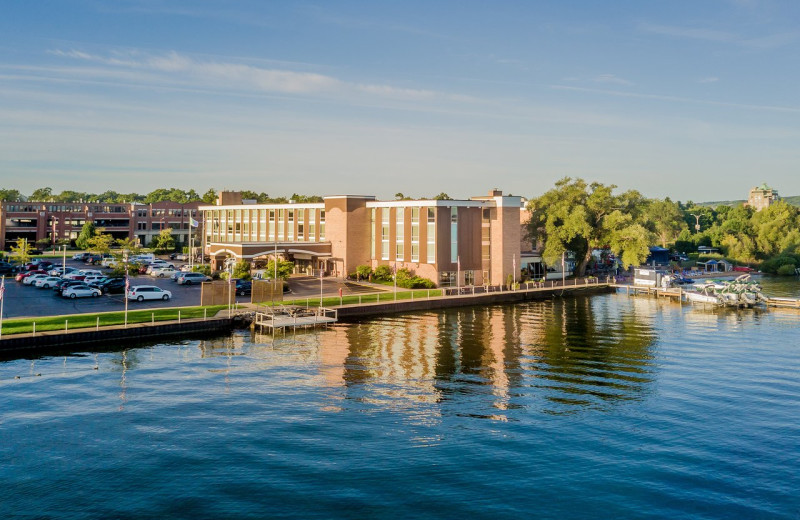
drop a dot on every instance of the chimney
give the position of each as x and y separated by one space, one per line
495 193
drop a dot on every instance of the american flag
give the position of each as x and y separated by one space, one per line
3 288
127 286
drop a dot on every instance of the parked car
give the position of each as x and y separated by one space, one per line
59 287
25 274
243 287
148 292
163 272
6 268
79 256
61 271
93 278
93 259
80 291
190 278
35 251
46 282
112 286
30 280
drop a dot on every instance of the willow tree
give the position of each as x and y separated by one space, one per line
578 217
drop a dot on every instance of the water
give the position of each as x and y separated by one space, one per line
609 407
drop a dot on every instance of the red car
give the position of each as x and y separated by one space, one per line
23 275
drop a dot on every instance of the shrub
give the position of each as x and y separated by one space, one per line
242 270
407 280
383 273
363 272
773 264
203 268
787 270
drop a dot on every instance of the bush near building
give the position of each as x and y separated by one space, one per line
383 274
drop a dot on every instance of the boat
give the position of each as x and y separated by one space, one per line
741 292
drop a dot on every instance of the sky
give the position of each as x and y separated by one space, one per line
695 100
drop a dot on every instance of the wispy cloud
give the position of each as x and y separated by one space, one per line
708 79
611 78
769 41
660 97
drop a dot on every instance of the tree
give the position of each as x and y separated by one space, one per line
100 243
42 195
86 234
130 245
164 242
579 217
210 196
242 270
285 269
443 196
665 219
22 251
10 196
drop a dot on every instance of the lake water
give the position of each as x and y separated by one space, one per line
603 407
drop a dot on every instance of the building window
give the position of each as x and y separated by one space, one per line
271 225
384 233
447 278
262 225
454 235
372 234
321 225
312 224
301 228
281 235
431 249
237 225
469 277
399 234
290 226
415 234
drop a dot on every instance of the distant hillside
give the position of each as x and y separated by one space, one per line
794 201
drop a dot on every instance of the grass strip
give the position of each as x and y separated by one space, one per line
355 299
79 321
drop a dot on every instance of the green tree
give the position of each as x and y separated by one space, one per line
210 196
100 243
22 251
242 270
665 219
130 245
70 196
42 195
442 196
86 234
164 242
578 217
10 196
285 269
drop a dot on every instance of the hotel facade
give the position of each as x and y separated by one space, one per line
452 242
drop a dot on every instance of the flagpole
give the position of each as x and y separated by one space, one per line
458 272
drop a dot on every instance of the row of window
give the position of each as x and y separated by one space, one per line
263 225
400 246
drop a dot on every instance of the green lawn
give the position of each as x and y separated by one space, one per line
78 321
330 301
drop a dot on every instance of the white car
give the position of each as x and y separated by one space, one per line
109 262
61 271
32 278
80 291
163 272
190 278
141 293
93 278
46 282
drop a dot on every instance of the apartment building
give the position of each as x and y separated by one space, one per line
63 221
453 242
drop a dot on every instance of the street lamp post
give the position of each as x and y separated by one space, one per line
697 225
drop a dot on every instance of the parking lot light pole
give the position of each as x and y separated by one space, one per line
127 284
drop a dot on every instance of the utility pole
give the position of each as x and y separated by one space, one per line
697 225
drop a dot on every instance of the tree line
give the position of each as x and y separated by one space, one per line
158 195
578 217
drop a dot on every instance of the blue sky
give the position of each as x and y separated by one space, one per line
688 99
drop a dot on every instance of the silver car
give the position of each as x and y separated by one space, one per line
80 291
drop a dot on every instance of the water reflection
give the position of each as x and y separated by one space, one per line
557 356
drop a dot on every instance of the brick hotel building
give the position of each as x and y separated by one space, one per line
63 220
479 240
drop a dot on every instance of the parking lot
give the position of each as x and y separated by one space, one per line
27 301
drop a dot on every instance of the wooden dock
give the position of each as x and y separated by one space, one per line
282 318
